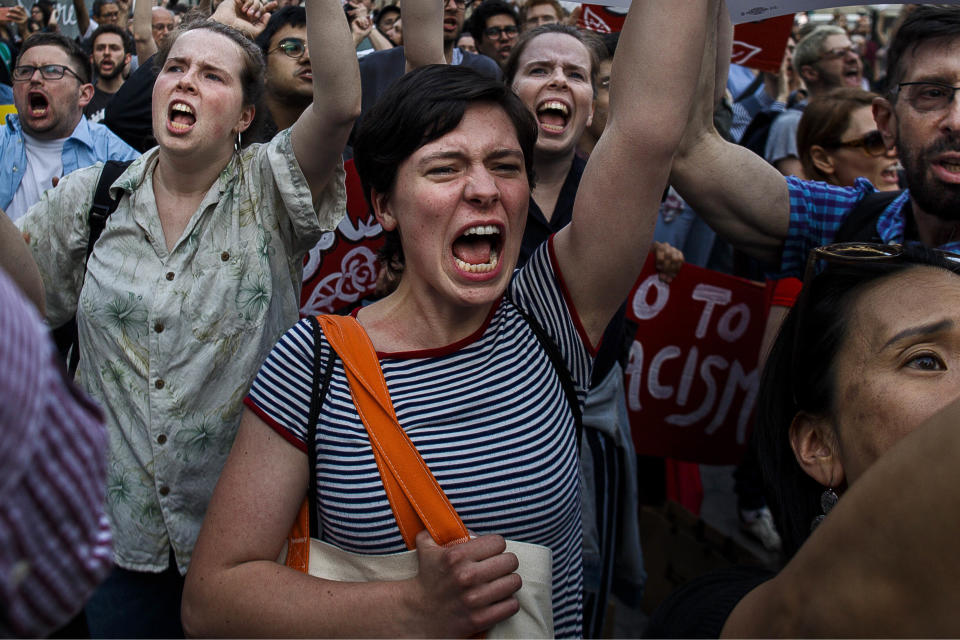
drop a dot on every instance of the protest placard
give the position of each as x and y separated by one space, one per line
692 376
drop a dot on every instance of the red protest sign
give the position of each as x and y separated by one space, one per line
602 19
692 377
760 45
342 267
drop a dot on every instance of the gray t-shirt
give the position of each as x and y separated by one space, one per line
782 141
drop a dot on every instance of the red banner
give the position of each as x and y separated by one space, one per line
692 376
602 19
342 267
760 45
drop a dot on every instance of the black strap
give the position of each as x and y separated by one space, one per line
860 224
560 367
103 205
321 385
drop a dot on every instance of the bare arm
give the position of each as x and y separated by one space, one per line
422 32
321 132
16 260
143 29
736 191
602 251
234 587
884 562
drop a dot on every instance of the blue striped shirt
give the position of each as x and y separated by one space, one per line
488 415
818 209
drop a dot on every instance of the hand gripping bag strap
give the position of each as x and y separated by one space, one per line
415 496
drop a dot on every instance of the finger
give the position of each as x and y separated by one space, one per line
496 612
490 592
55 180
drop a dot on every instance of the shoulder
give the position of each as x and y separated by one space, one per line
483 64
115 146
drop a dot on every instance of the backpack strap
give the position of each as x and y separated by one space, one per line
560 367
860 224
321 385
103 205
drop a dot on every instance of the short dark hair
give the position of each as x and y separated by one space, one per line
112 28
291 15
593 43
490 8
252 74
924 23
420 107
98 5
79 57
390 8
557 8
800 376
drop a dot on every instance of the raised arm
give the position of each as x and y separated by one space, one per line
83 17
321 132
422 32
884 562
234 587
736 191
143 29
602 251
16 260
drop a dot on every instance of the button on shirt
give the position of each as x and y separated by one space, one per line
89 143
173 397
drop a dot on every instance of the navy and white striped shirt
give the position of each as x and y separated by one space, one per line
487 414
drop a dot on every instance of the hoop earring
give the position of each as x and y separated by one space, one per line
828 500
237 144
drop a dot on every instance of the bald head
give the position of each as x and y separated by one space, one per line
161 23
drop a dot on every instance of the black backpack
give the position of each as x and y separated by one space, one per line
860 224
103 205
756 134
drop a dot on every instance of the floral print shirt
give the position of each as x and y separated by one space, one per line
171 340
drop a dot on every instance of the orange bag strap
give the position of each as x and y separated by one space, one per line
415 496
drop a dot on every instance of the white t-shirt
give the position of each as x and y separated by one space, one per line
44 163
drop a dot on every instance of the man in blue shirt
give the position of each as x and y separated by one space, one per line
779 220
49 137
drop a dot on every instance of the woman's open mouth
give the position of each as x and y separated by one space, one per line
478 249
181 117
553 116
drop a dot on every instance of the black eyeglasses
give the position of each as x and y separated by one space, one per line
498 32
24 72
292 47
926 96
839 52
871 143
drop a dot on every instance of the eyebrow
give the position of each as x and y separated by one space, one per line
458 155
924 329
202 65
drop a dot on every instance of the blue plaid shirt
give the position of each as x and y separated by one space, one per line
818 209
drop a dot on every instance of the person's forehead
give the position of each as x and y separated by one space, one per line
500 20
559 48
836 41
937 59
474 135
162 15
288 31
109 40
542 10
108 7
45 54
208 47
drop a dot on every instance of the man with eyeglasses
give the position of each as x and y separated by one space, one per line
49 137
495 27
825 59
778 221
289 76
161 24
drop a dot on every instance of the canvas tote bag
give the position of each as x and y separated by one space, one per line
415 496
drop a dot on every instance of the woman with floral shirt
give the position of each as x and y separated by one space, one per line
195 276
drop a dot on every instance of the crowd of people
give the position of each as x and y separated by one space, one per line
169 169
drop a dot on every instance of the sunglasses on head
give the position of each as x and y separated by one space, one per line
871 143
859 252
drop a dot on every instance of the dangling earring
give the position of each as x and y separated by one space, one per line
828 500
237 145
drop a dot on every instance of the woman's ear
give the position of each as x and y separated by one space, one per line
246 118
822 160
382 210
816 449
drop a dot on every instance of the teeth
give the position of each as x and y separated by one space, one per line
179 106
478 268
553 105
480 230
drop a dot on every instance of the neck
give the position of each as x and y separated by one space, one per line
448 51
110 85
408 321
934 231
586 143
186 177
285 111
